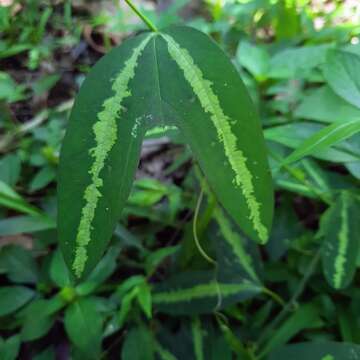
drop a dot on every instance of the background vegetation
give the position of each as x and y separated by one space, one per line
154 296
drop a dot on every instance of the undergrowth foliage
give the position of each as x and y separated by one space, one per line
207 202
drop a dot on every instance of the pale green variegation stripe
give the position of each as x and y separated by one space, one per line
105 131
210 103
340 259
197 338
328 357
202 291
157 130
235 242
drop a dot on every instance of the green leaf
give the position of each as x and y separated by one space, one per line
18 264
155 258
83 324
146 81
219 349
286 229
9 89
322 350
297 62
47 354
13 297
341 71
9 348
43 178
128 284
354 169
163 353
231 339
147 192
144 299
10 167
199 292
25 224
324 105
126 305
10 199
197 337
226 134
253 58
13 50
295 134
347 324
127 239
287 22
102 271
307 178
100 153
38 317
138 345
59 272
134 287
44 84
305 317
33 330
323 139
340 226
236 244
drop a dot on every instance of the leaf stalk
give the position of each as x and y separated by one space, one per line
144 18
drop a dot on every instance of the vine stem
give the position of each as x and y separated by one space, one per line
277 298
200 248
146 20
196 239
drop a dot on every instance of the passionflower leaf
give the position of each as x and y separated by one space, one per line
340 249
178 78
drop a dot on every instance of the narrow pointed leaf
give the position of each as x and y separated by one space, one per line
305 317
210 105
294 134
197 336
323 139
12 200
340 247
199 292
100 153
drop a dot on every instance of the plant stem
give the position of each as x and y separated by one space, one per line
290 305
148 23
296 176
197 242
277 298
